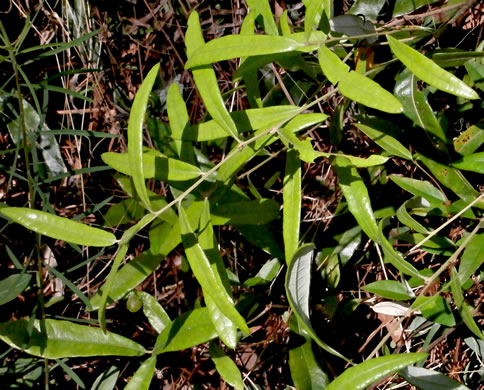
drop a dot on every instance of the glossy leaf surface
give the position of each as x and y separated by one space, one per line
154 312
155 165
385 141
236 46
426 379
390 289
263 8
60 228
203 271
428 71
312 17
421 188
66 339
435 308
298 282
364 374
226 367
471 162
470 140
190 329
135 134
472 258
355 86
142 377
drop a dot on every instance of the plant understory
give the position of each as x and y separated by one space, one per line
248 194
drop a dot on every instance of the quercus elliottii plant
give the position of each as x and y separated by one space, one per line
335 53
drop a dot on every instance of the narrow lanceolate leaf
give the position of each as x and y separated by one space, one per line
12 286
355 86
155 165
142 377
465 310
59 228
313 15
154 312
406 219
470 140
226 328
202 269
206 81
421 188
385 141
135 134
263 8
390 289
356 195
426 379
190 329
179 122
394 257
472 258
364 374
428 71
471 162
298 281
236 46
291 193
417 108
109 282
452 178
226 367
65 339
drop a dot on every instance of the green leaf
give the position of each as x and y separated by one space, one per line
404 7
435 309
356 195
390 289
126 211
129 276
314 9
420 188
428 71
60 228
451 178
426 379
179 122
472 258
355 86
121 253
205 79
475 70
190 329
298 281
308 154
266 274
155 165
12 286
450 58
135 134
65 339
405 218
351 25
465 310
364 374
226 328
385 141
394 257
225 366
107 380
471 162
203 271
263 8
246 212
142 377
291 192
369 8
236 46
154 312
417 107
470 140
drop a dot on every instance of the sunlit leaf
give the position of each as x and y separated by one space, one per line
12 286
472 258
428 71
420 188
66 339
292 203
135 134
470 140
226 367
312 17
404 7
364 374
435 308
263 8
471 162
154 312
142 377
390 289
60 228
